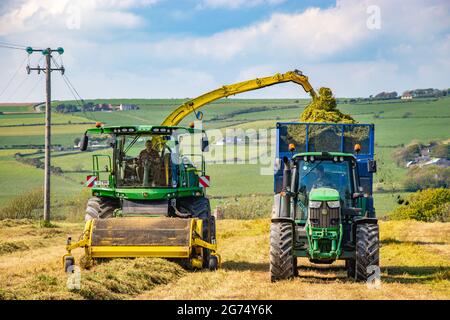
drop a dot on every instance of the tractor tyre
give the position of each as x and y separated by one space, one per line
282 260
367 250
199 207
100 208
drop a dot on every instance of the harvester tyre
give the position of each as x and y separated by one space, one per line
199 207
367 250
213 263
69 261
282 260
100 208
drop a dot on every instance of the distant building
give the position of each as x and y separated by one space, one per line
407 95
103 107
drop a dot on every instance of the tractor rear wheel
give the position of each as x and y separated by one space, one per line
282 261
367 250
199 207
101 208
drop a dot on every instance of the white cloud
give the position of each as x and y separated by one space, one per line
333 46
29 15
312 34
235 4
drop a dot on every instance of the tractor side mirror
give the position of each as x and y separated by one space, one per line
372 166
84 143
205 144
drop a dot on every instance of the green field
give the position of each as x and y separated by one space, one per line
396 123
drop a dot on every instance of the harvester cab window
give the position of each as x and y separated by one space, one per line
189 148
326 174
143 160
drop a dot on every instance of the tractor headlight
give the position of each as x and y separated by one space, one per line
334 204
315 204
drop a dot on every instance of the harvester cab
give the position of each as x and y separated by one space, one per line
323 198
147 199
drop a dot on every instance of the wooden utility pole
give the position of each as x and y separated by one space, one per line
48 116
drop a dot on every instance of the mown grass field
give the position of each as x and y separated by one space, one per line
415 264
396 123
415 257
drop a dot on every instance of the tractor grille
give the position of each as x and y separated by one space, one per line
319 220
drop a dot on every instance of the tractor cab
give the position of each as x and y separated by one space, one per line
328 177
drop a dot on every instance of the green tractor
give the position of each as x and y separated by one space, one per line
147 196
323 199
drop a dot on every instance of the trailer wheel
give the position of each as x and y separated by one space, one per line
282 260
367 250
100 208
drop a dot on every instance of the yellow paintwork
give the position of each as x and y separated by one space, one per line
193 252
228 90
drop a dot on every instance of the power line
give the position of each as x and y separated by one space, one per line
71 89
12 44
14 75
34 87
68 81
21 84
10 47
79 100
17 88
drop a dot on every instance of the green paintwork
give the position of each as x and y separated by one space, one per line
317 235
188 177
324 194
148 193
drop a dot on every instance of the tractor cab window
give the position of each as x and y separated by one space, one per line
143 160
326 174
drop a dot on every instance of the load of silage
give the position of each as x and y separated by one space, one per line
324 109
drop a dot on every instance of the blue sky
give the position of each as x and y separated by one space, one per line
166 48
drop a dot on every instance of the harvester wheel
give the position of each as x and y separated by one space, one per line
282 260
213 263
100 208
199 207
367 250
69 261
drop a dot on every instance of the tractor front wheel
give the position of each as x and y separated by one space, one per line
282 261
367 250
